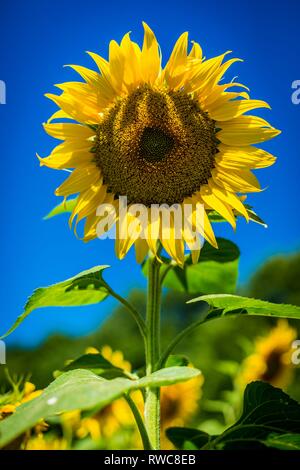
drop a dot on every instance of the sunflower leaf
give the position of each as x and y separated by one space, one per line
216 271
215 217
83 390
270 419
62 208
85 288
177 360
226 304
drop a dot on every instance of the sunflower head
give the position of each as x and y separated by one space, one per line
159 135
271 360
46 442
21 393
179 403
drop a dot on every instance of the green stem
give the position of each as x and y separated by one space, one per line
152 403
165 272
135 314
140 423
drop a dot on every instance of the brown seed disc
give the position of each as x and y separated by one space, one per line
156 146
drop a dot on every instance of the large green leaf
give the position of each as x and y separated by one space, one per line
62 208
216 271
270 418
225 304
283 441
82 389
86 288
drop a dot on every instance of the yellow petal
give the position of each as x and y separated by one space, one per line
60 114
223 68
245 130
79 180
150 57
233 109
88 75
213 202
116 66
105 83
230 198
174 247
242 181
196 51
153 230
202 224
192 240
91 228
69 159
202 73
75 108
218 94
127 236
243 157
176 65
65 131
141 250
132 54
88 201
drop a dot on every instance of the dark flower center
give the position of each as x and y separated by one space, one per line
155 144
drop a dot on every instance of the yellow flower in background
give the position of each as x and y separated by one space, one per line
112 417
116 358
43 442
157 135
179 402
30 392
16 398
271 360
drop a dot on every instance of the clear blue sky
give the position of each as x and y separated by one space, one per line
36 39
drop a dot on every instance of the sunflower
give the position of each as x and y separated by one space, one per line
170 137
46 442
110 419
271 359
179 402
15 398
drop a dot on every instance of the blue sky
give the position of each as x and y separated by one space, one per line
36 39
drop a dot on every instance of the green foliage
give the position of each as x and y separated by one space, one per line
270 418
85 288
236 305
278 280
216 217
176 361
82 389
216 271
90 382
